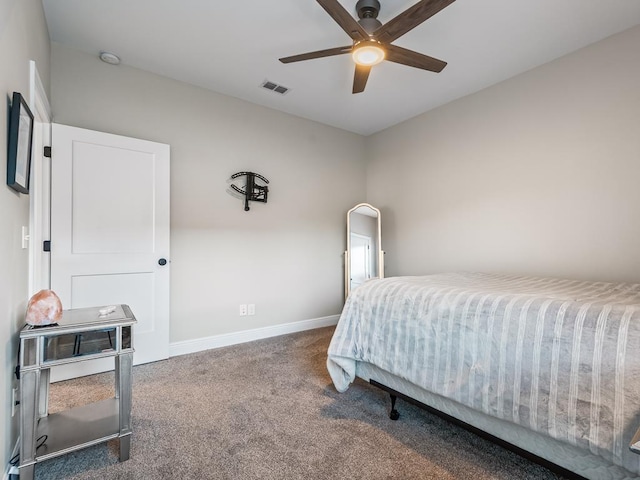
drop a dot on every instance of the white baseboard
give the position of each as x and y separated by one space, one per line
225 340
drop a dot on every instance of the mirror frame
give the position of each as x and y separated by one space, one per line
347 257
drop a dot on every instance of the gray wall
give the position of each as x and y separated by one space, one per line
538 174
23 37
285 256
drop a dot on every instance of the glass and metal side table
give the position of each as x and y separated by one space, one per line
83 334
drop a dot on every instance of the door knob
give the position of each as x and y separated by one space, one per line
162 261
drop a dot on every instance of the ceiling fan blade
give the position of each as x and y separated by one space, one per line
413 59
344 19
360 78
409 19
317 54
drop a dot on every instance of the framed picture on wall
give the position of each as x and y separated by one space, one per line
20 144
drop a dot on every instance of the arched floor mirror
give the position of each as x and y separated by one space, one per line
364 258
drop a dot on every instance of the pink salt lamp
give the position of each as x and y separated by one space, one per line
44 308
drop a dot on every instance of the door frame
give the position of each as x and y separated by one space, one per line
40 184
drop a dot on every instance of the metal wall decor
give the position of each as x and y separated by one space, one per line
252 191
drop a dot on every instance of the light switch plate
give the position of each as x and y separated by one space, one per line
25 237
14 399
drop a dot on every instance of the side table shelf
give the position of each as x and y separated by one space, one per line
78 428
106 335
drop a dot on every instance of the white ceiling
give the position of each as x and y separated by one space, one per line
231 47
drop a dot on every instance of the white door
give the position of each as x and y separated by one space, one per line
360 259
110 232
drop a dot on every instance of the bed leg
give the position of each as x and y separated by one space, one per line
394 415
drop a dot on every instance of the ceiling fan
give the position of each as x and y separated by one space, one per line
372 40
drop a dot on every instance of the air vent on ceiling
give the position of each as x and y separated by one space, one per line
274 87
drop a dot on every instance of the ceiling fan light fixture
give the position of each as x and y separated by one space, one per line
368 55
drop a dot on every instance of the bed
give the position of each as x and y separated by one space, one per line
550 366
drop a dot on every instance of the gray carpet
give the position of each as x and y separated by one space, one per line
268 410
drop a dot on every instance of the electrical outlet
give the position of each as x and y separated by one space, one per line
243 309
251 309
14 399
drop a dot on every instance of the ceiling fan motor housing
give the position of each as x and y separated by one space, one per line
367 12
367 8
370 25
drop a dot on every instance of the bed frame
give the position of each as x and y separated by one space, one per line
395 415
563 459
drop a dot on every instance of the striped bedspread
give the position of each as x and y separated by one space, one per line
560 357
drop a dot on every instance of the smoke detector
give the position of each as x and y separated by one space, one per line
110 58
